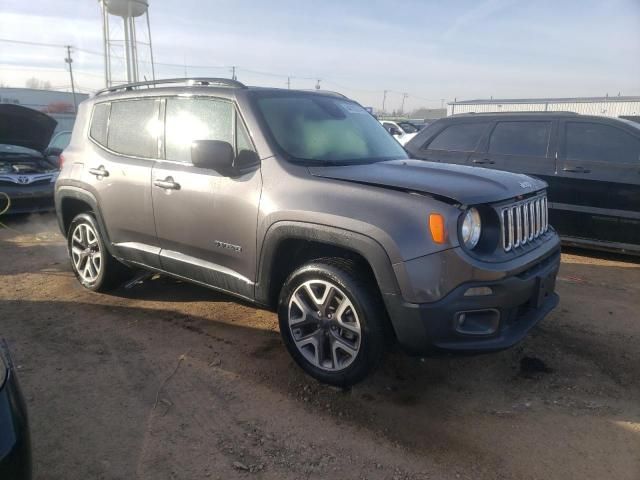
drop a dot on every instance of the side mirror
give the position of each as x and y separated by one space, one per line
213 154
395 132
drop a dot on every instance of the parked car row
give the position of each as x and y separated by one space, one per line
29 159
591 164
402 131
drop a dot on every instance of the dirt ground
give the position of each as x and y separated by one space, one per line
171 381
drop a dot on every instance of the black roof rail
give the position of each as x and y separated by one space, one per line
534 112
201 81
326 92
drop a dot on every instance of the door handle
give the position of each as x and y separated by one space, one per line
576 170
99 172
484 161
167 184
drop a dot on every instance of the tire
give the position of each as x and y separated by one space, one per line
91 262
332 305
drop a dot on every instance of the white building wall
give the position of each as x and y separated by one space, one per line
603 108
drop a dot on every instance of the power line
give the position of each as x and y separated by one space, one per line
37 44
234 70
50 69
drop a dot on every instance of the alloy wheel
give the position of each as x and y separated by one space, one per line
324 325
85 252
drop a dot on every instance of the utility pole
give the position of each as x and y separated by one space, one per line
233 73
404 96
384 100
318 85
288 83
442 103
69 60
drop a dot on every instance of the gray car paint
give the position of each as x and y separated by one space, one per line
378 210
457 182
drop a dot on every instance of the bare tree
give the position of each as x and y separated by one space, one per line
38 84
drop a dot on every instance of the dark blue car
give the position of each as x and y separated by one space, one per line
15 446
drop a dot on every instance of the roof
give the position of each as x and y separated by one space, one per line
548 100
199 82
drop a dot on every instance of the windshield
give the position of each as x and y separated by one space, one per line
327 130
408 127
61 140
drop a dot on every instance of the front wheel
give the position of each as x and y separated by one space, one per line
332 321
91 262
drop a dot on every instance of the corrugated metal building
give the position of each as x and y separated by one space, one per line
605 106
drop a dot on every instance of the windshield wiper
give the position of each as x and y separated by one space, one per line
310 162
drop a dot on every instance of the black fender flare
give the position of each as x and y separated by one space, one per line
71 192
359 243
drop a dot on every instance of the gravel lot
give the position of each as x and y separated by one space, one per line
171 381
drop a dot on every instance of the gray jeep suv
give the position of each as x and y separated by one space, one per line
301 202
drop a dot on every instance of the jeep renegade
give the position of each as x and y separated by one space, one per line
301 202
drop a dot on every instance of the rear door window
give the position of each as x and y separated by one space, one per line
190 119
134 128
596 141
520 138
463 137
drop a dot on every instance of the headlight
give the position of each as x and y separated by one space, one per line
471 227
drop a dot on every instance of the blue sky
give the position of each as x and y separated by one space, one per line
430 49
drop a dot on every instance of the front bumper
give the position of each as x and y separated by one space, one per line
15 445
27 198
518 301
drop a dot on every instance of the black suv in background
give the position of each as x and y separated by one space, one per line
592 166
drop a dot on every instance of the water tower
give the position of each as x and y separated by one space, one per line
125 51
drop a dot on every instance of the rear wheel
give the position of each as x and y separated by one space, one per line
332 321
91 262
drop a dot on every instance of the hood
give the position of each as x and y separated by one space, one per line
463 184
25 127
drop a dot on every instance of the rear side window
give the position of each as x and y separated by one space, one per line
520 138
463 137
133 128
190 119
595 141
99 121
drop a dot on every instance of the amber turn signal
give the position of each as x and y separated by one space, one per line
436 225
